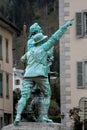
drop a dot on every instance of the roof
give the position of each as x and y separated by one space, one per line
8 25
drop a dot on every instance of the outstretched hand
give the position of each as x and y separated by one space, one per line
70 22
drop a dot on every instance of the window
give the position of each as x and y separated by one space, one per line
17 82
0 47
7 119
82 74
7 56
85 23
83 108
81 23
7 85
1 85
85 73
1 122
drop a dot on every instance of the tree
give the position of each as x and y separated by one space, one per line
74 114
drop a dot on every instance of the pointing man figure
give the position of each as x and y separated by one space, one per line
37 72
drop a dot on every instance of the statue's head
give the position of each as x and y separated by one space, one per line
39 38
30 44
34 29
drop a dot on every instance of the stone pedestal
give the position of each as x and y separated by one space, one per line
34 126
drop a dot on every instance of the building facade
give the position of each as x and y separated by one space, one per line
73 59
17 79
6 72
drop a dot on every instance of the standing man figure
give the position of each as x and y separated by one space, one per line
37 72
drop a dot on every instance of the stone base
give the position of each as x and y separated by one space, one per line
33 126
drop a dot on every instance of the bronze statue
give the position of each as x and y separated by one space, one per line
36 72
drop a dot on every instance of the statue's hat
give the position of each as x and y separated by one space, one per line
39 37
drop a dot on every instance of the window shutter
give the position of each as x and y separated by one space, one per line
79 24
7 85
80 75
0 47
1 88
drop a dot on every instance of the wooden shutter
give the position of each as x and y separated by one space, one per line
1 88
79 24
80 75
0 47
7 85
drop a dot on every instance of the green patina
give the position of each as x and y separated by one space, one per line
37 69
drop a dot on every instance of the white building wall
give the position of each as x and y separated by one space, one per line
17 75
72 49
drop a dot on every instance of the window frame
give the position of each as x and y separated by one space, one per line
84 85
80 23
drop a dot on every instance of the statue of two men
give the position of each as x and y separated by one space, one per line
36 71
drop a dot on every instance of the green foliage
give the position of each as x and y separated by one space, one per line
54 105
55 88
54 111
74 115
20 11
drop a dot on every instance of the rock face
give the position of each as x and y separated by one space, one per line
34 126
